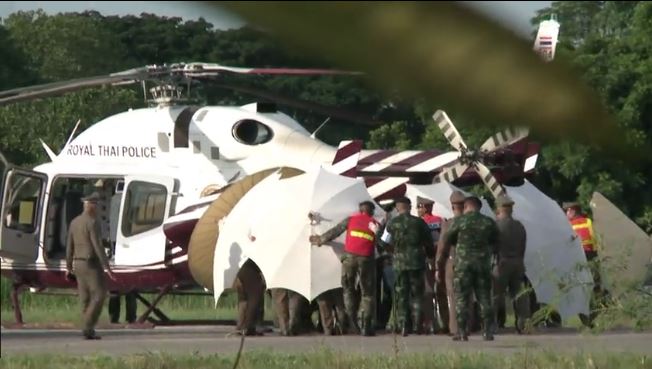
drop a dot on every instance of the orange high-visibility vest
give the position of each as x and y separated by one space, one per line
359 236
583 226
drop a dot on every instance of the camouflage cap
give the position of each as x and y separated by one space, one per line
504 200
457 197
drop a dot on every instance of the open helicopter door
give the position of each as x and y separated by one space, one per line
22 205
146 204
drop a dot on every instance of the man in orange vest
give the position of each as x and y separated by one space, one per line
434 289
357 261
583 227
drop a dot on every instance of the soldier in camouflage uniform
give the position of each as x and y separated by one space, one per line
358 260
510 269
411 242
476 237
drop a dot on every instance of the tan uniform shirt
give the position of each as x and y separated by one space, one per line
84 241
512 239
443 253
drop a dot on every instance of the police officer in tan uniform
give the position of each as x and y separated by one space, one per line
250 287
509 272
85 258
444 263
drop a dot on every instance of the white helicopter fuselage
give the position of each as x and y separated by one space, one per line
175 153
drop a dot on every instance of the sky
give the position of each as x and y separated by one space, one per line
515 15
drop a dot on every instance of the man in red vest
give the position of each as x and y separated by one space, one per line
436 290
583 227
357 261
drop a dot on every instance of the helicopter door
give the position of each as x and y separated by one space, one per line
22 205
146 203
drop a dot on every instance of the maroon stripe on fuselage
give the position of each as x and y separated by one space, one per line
350 173
179 232
395 192
141 280
374 158
370 181
411 161
348 150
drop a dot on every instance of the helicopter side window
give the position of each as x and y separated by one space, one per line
22 202
144 207
251 132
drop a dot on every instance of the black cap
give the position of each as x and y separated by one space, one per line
368 203
403 200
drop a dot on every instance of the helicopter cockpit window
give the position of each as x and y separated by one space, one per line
144 207
251 132
22 203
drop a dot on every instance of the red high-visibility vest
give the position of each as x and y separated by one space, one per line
433 221
584 229
359 236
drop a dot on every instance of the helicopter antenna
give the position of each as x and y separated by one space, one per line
314 134
71 134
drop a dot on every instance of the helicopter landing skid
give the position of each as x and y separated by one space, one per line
160 319
151 308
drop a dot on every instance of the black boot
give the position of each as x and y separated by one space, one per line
417 325
353 326
461 336
488 334
405 329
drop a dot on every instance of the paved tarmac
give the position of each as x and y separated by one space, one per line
211 340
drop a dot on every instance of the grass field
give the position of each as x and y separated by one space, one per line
39 308
325 359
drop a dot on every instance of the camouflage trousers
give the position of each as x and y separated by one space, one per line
364 267
409 290
469 278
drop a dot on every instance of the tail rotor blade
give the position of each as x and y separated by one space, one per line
489 180
451 173
504 138
448 129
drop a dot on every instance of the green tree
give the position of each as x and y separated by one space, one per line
65 46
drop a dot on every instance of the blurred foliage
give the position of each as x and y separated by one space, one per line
606 43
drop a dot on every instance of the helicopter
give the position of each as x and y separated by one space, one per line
159 168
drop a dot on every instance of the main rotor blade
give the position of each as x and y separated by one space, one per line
303 104
448 129
57 88
180 70
504 138
444 52
489 180
451 173
211 69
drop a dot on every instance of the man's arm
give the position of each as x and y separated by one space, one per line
524 232
428 240
331 234
70 251
449 239
494 237
94 229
